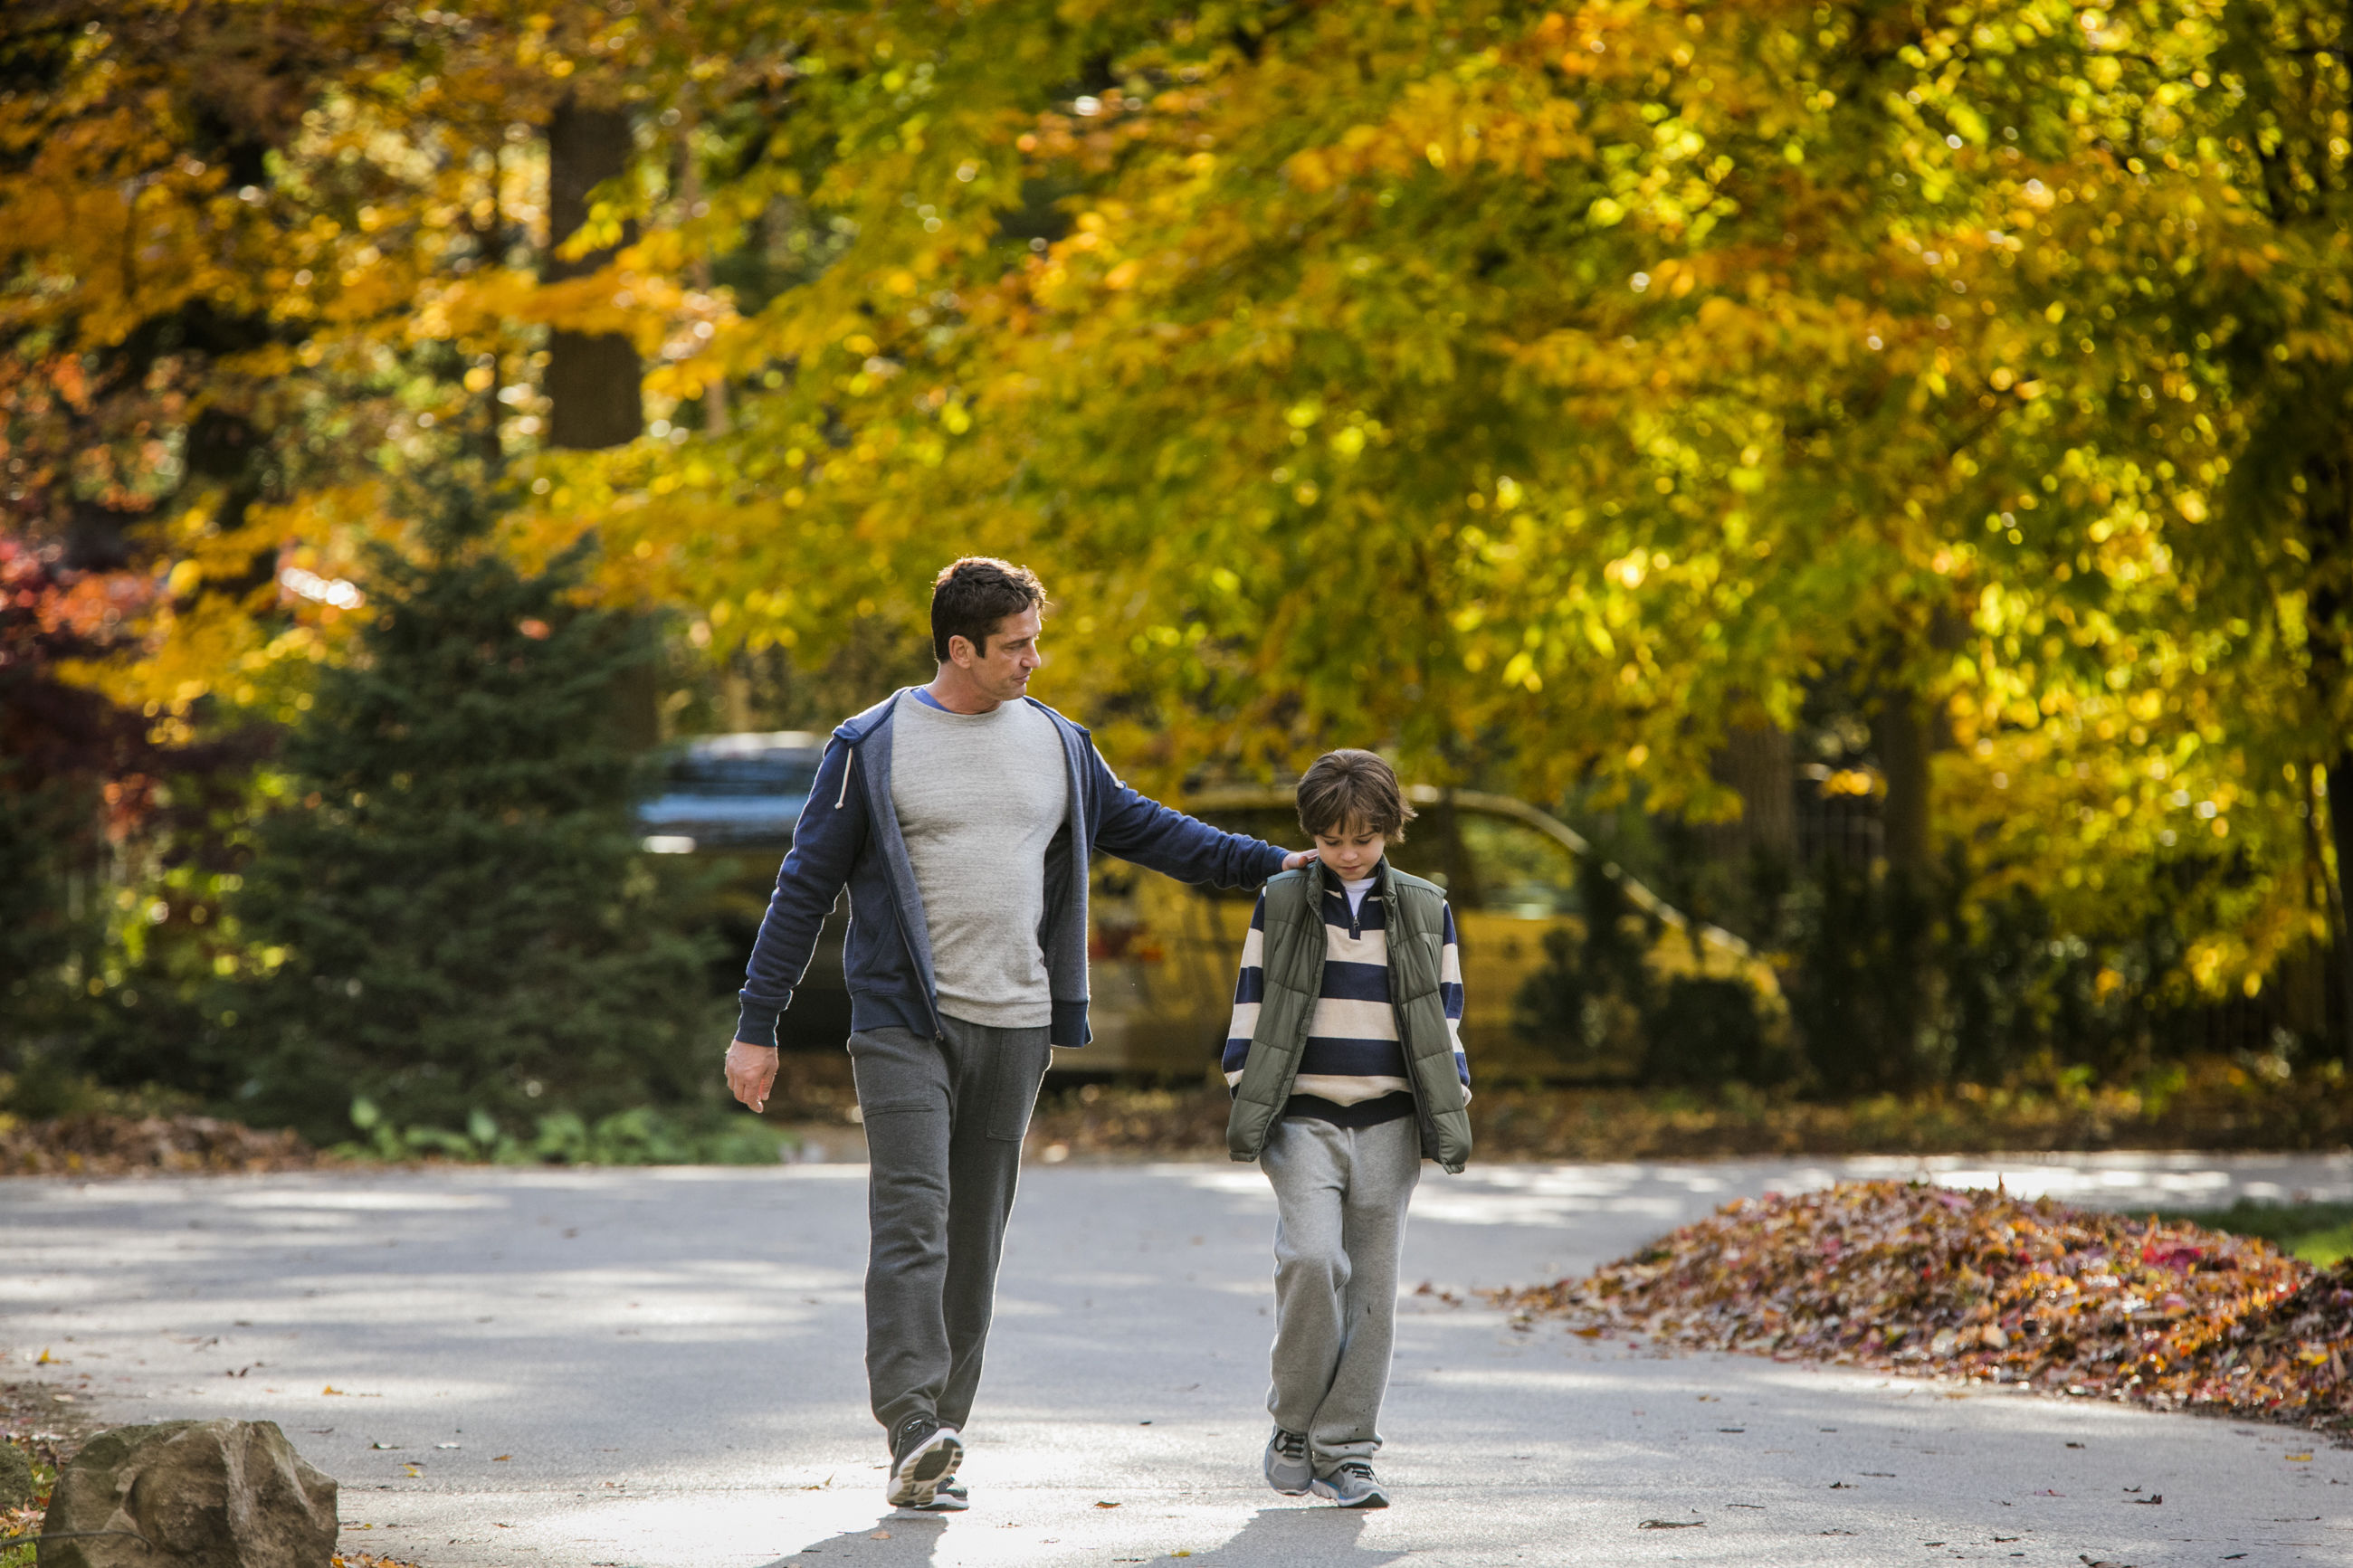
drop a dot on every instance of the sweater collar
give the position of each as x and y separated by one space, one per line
1331 883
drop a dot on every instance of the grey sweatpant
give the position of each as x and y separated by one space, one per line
944 1118
1340 1199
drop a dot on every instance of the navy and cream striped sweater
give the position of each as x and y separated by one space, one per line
1353 1071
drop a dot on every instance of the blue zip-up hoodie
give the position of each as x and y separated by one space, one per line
847 835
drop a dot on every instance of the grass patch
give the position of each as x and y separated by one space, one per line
2319 1234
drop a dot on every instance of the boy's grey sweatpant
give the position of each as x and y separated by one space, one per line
1340 1198
944 1118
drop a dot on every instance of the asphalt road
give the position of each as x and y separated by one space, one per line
662 1369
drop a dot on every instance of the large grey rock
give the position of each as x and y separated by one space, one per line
199 1494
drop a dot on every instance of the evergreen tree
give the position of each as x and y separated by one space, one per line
449 909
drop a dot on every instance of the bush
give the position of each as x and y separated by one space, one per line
641 1135
1705 1032
1590 1002
448 915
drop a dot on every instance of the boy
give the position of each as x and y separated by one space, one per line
1347 1069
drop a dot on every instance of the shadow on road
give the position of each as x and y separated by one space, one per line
893 1540
1294 1538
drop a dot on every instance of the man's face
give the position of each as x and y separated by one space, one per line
1003 672
1352 849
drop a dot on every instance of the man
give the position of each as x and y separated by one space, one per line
960 816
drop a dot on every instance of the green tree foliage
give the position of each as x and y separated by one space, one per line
448 911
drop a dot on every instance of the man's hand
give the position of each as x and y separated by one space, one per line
1298 857
751 1072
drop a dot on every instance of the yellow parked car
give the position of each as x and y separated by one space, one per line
1163 952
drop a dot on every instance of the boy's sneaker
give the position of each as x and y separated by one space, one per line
1353 1485
1287 1470
923 1454
948 1498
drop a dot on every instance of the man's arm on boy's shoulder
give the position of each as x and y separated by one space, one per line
1449 993
1137 828
1250 990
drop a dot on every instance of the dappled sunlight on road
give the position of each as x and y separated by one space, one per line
662 1370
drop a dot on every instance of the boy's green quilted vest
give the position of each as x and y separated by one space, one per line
1295 977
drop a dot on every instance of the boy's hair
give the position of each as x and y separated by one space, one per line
971 596
1352 789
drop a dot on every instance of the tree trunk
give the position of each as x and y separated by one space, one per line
592 379
1755 762
1900 735
2341 834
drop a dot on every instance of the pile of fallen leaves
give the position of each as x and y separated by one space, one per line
1982 1285
101 1144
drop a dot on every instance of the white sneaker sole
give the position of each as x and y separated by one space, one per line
916 1479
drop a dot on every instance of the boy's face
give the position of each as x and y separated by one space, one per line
1352 849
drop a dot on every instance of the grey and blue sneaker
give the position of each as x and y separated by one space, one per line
1287 1470
948 1496
1353 1485
923 1454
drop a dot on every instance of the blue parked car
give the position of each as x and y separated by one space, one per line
732 792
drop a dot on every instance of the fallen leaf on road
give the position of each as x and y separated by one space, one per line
1671 1524
501 1458
2152 1501
2299 1458
331 1388
1106 1505
879 1535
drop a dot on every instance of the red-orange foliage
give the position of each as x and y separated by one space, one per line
1990 1288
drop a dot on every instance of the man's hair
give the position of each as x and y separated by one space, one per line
971 596
1352 789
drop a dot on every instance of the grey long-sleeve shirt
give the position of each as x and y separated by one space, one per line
979 797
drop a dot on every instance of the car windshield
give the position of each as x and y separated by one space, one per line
752 773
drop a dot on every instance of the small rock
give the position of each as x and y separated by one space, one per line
16 1488
206 1494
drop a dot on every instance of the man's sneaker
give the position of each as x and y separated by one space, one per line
948 1498
1287 1470
1353 1485
923 1454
